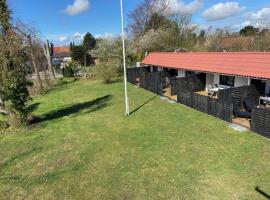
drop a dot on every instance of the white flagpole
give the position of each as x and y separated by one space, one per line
124 60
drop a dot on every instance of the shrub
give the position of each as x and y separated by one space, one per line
107 72
68 72
71 69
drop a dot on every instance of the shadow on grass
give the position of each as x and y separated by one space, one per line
61 83
49 176
138 108
267 196
31 108
89 106
19 156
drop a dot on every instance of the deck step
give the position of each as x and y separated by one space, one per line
238 127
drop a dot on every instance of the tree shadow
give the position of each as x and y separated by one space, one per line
22 155
138 108
90 106
267 196
62 82
31 108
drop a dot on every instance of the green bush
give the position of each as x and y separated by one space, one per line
68 72
71 69
107 71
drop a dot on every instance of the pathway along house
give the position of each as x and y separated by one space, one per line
233 86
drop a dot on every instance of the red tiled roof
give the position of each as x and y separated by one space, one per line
248 64
61 51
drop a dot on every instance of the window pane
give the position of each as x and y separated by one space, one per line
227 80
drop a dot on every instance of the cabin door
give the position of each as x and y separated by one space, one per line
259 85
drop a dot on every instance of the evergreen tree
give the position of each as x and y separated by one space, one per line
13 82
71 46
77 54
89 43
4 16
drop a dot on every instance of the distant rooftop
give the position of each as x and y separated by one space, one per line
61 51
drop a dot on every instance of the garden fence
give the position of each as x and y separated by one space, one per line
186 84
134 73
260 122
152 81
238 95
222 110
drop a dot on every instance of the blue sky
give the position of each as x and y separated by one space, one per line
64 20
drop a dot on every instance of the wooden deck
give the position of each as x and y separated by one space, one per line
167 93
205 93
242 121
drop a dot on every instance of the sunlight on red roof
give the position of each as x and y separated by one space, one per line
61 51
248 64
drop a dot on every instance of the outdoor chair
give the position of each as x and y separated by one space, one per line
214 94
242 111
239 112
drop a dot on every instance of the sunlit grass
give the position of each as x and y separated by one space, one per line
85 148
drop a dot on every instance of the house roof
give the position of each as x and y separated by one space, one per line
61 51
248 64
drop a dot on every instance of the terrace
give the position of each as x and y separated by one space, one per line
232 104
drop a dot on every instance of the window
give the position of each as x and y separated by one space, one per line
189 73
226 80
155 69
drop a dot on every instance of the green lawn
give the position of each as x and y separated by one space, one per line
84 148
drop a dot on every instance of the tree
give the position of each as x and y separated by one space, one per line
4 16
140 17
155 22
32 41
248 31
13 74
47 53
107 71
176 34
77 54
71 46
109 52
89 43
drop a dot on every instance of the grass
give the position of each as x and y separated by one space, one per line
82 147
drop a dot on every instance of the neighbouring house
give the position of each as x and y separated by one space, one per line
61 55
220 68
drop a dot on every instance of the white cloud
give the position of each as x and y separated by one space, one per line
62 38
66 39
77 7
105 35
256 24
246 23
179 6
263 14
78 36
258 19
222 11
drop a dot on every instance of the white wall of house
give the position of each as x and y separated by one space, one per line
160 69
216 79
209 81
212 79
241 81
181 73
